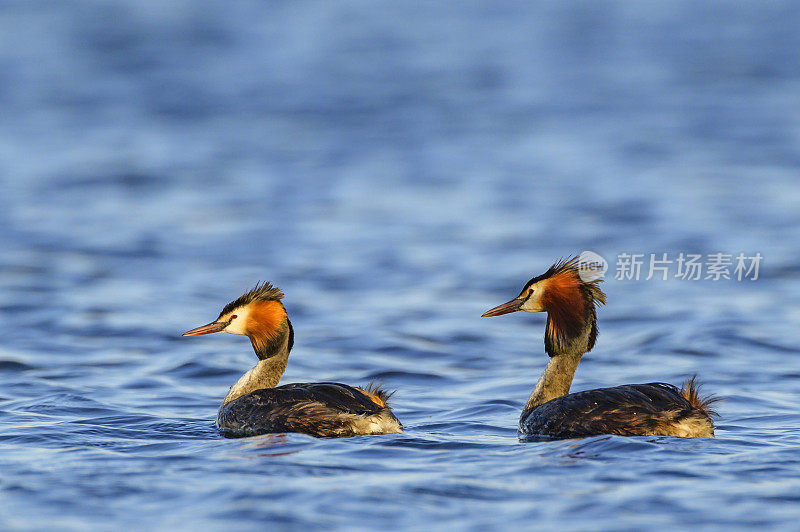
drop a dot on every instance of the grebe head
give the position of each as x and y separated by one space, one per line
568 300
258 314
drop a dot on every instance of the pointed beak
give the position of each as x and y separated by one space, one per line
512 306
214 326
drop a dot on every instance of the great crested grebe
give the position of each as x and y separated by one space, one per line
254 405
629 410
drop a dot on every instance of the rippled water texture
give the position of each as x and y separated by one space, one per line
397 170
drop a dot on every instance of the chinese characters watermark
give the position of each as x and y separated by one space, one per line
663 266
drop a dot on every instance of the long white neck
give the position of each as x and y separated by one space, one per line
266 373
555 381
557 376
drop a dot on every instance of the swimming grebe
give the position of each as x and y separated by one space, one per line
630 410
254 405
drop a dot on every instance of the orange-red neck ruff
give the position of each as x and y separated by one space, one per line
265 320
565 304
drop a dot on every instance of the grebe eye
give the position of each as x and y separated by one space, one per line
234 317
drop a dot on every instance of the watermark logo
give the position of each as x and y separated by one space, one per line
591 266
663 266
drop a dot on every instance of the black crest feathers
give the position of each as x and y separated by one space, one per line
261 292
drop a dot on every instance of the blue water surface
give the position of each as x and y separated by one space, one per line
397 169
